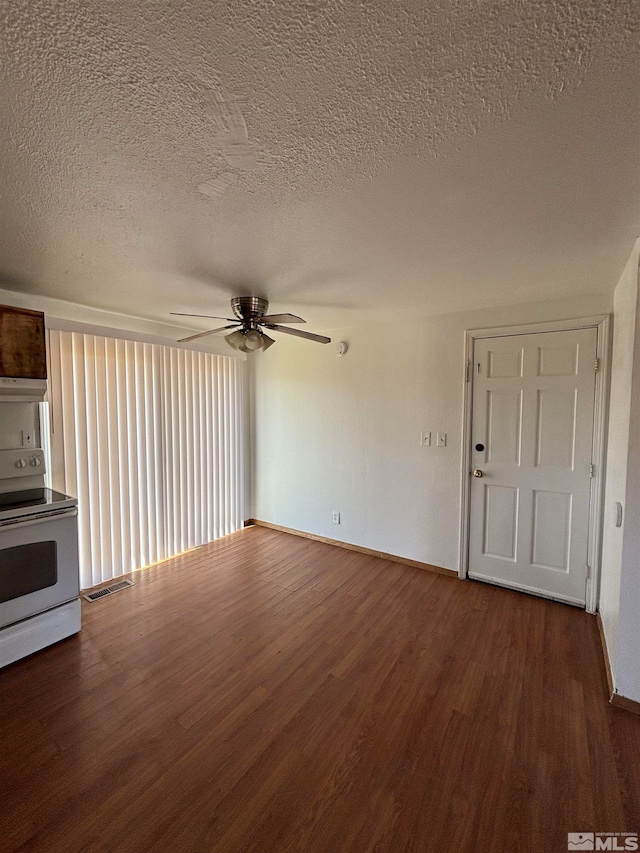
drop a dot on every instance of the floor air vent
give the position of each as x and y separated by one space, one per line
108 590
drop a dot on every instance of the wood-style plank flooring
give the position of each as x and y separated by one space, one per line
269 693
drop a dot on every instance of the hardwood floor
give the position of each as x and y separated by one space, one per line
269 693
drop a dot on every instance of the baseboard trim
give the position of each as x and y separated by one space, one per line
616 699
630 705
416 564
605 655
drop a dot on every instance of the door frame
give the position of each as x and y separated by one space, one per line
602 324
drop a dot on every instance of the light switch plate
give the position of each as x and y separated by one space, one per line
441 439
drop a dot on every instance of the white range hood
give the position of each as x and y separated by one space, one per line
13 390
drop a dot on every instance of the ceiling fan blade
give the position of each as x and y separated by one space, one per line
208 316
321 339
280 318
210 332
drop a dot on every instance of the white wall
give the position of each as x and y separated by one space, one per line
620 586
15 417
342 433
624 329
628 653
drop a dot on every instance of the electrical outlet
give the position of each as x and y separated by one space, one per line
335 516
28 438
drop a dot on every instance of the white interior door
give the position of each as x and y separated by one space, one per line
532 433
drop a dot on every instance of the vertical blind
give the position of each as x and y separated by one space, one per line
150 440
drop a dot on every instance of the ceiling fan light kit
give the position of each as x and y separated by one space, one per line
253 339
251 316
249 341
235 339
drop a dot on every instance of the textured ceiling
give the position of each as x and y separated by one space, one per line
346 160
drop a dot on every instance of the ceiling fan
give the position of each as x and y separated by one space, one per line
251 316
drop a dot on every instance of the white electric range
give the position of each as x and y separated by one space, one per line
39 574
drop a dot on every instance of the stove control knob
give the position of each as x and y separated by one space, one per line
34 461
21 463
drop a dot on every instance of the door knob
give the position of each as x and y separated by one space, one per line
478 473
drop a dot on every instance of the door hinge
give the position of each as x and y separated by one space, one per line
592 469
468 371
587 572
597 365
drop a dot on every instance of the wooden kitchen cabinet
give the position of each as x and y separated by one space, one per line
22 343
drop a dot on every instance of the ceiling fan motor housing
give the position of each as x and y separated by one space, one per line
248 308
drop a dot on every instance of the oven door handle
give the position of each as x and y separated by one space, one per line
38 518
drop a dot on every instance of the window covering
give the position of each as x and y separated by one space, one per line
150 440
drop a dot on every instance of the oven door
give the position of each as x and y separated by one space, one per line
38 564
